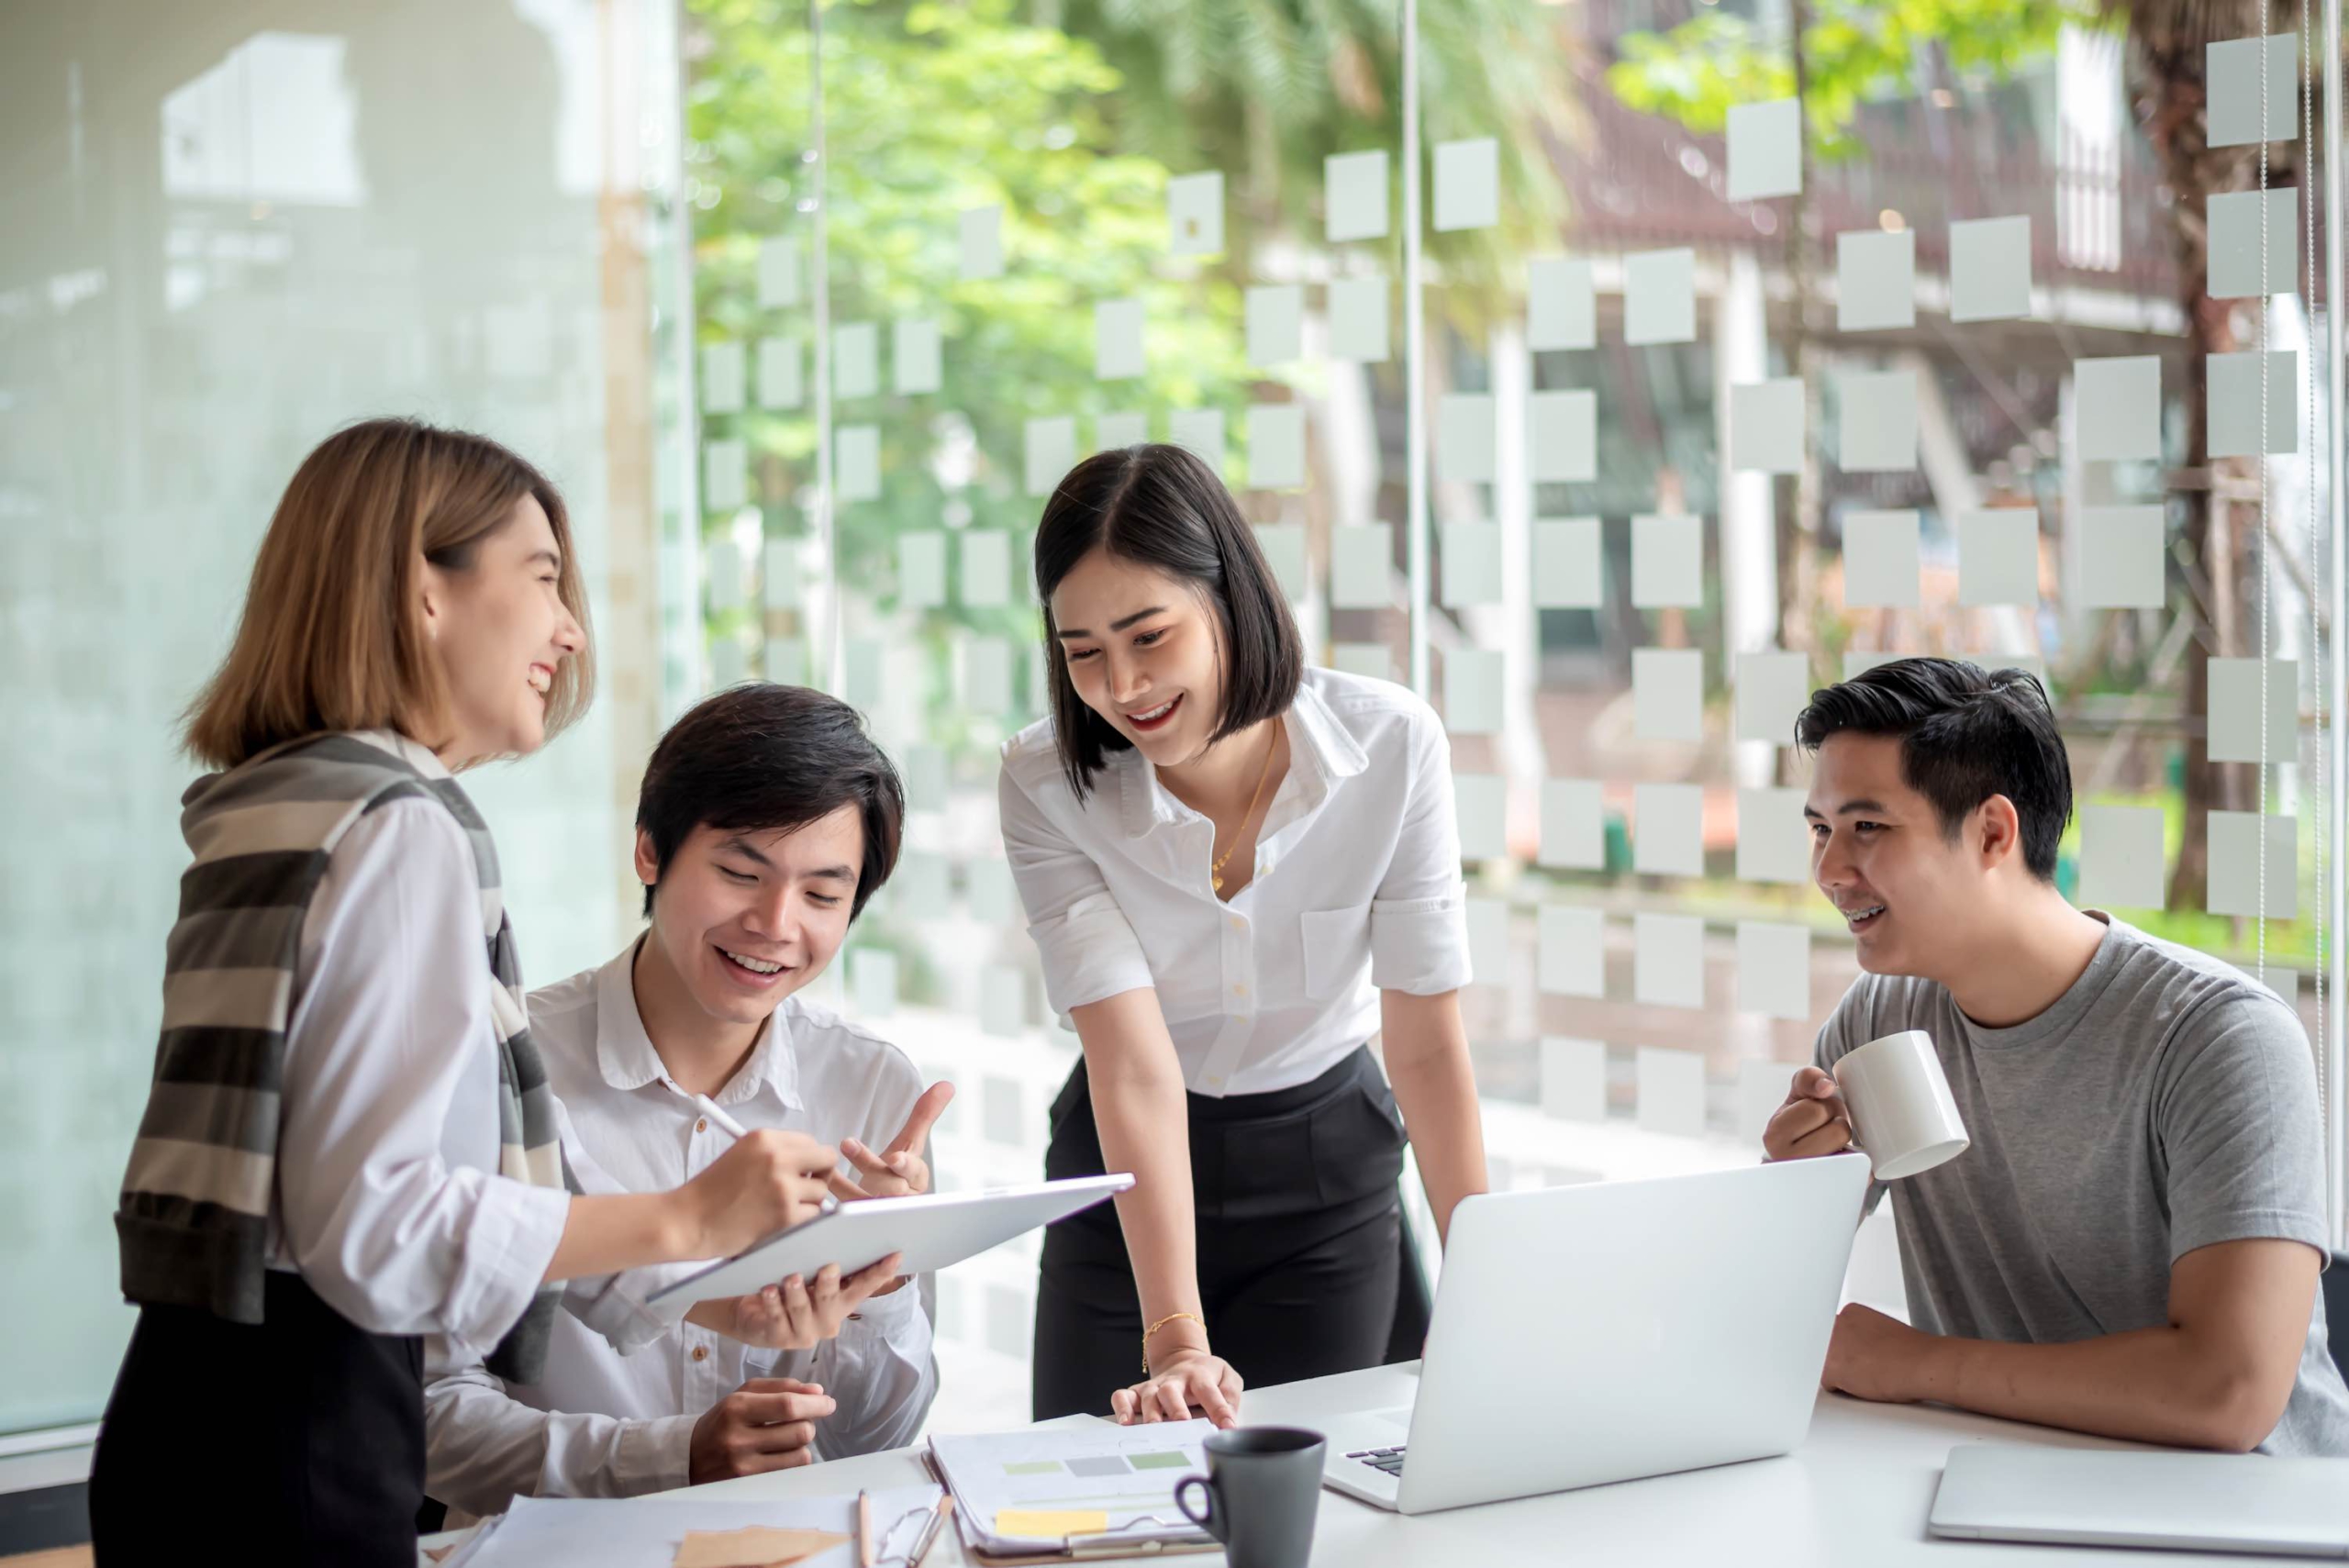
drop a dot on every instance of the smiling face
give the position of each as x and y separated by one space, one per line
743 918
500 630
1144 651
1911 895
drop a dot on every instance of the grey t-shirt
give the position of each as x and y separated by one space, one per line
2165 1102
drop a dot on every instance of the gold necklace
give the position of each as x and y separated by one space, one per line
1215 872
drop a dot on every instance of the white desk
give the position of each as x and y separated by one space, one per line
1857 1493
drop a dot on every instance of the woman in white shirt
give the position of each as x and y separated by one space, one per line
348 1143
1238 871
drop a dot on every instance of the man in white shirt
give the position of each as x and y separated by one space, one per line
766 819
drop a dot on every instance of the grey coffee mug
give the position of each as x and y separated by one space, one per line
1262 1492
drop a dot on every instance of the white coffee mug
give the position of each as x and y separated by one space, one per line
1903 1117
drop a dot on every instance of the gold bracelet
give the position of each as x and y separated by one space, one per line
1161 1323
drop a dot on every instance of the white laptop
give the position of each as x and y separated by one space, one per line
1598 1333
2206 1502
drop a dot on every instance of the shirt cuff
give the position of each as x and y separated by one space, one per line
509 1243
1090 953
1421 945
654 1456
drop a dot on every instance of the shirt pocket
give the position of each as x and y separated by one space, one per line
1337 949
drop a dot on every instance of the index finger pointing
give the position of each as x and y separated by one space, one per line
925 1114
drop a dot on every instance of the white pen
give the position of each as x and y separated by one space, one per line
729 1126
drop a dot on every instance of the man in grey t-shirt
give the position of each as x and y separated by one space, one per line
2131 1244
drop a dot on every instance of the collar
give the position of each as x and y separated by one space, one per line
625 1056
415 753
1315 738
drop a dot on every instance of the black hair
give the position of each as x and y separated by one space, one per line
765 756
1163 507
1966 734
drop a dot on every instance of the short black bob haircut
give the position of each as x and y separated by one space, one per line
762 757
1162 506
1966 734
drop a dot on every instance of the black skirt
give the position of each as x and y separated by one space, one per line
1303 1261
298 1439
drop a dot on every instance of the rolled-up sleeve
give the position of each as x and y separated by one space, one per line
1089 948
1418 920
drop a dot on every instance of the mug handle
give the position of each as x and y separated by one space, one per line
1212 1519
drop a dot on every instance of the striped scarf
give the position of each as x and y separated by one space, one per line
193 1221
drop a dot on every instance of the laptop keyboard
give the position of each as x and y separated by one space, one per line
1386 1460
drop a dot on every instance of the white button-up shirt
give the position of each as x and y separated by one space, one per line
1357 888
604 1425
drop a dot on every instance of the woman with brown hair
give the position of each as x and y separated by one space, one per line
350 1143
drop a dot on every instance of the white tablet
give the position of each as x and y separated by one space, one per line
933 1231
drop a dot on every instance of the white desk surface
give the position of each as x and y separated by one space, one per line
1857 1493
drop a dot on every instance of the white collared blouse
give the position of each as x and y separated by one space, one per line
1357 888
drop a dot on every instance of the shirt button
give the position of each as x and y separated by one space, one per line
1240 990
701 1352
1238 924
701 1123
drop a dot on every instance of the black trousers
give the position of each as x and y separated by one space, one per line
299 1439
1302 1262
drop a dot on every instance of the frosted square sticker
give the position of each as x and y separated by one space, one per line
1471 564
1572 957
1358 319
2120 857
1997 557
1117 339
856 359
2235 839
1772 840
1284 548
1667 562
862 661
927 776
1878 422
1472 691
1882 566
1761 1089
981 242
2231 83
1275 323
1468 184
1372 660
1566 571
1562 437
1669 829
1668 961
722 564
1354 192
986 675
1112 431
1195 214
1003 1002
778 273
1765 150
779 576
1574 1079
783 374
1561 303
1766 426
1277 446
784 662
1667 694
1463 447
723 367
1200 432
1672 1092
1487 941
1774 969
1574 825
1989 265
1051 453
994 896
1859 662
2235 707
2235 405
1481 803
987 567
1772 689
2118 405
917 368
1875 280
921 570
1361 566
873 977
856 461
725 475
2234 220
1660 298
2122 558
